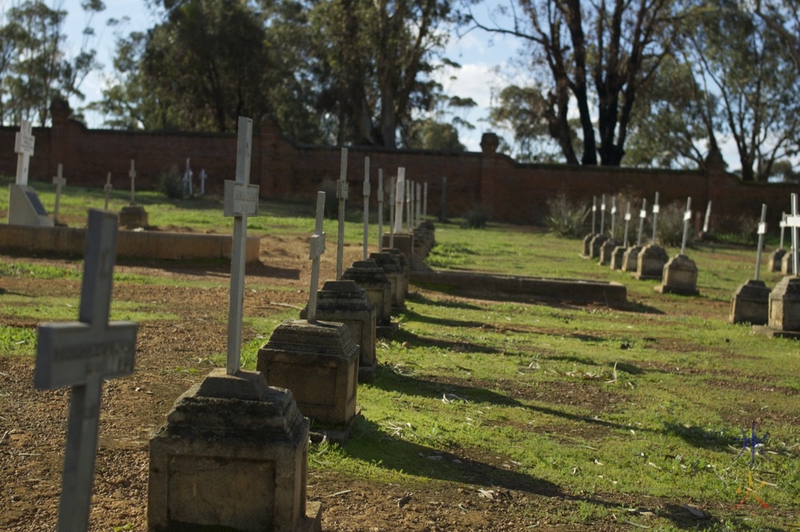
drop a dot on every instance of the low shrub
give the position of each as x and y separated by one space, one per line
170 183
476 218
566 219
670 225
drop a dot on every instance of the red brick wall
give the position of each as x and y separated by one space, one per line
507 190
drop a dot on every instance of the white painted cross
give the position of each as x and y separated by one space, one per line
107 189
366 193
613 214
707 220
425 200
603 215
409 189
793 222
24 142
187 181
59 182
81 355
762 230
399 199
316 249
419 204
642 217
687 217
132 175
342 193
392 209
241 201
203 177
783 227
594 214
627 222
380 210
655 218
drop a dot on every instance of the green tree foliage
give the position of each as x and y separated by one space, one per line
34 67
593 58
428 134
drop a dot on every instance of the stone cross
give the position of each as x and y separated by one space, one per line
24 142
642 217
707 220
783 227
419 203
58 181
132 174
793 222
203 177
392 209
687 217
380 210
107 189
241 201
82 355
342 192
366 193
425 200
762 230
399 199
444 199
603 214
655 218
187 180
594 214
317 248
408 192
627 222
613 214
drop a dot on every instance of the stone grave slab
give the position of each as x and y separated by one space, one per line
25 207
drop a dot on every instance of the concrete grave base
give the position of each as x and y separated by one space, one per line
775 260
345 302
606 250
650 262
390 264
617 258
784 307
750 303
630 259
232 456
787 268
371 278
596 244
133 217
586 252
404 267
680 277
318 362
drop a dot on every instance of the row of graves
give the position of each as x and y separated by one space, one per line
233 452
25 207
774 312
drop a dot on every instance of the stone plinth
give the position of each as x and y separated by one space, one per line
371 278
345 302
318 362
606 250
750 303
390 264
232 456
650 262
402 241
424 238
775 260
680 277
630 259
404 266
586 250
787 268
784 307
133 217
595 244
618 258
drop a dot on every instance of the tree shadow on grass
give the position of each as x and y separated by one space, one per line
703 438
457 346
414 316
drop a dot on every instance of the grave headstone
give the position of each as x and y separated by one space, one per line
58 181
233 453
750 302
133 216
630 259
652 258
776 258
107 190
587 240
680 272
82 355
316 360
24 206
366 194
342 193
597 240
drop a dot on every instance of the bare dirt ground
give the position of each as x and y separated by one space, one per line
172 356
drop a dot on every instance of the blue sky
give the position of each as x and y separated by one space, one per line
476 52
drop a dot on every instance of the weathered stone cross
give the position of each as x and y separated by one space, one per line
392 209
187 180
642 217
59 182
203 177
24 142
687 217
132 175
793 222
380 210
81 355
366 193
107 189
655 218
342 193
762 230
419 204
783 227
627 222
317 248
399 199
707 219
603 215
241 201
594 214
613 214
